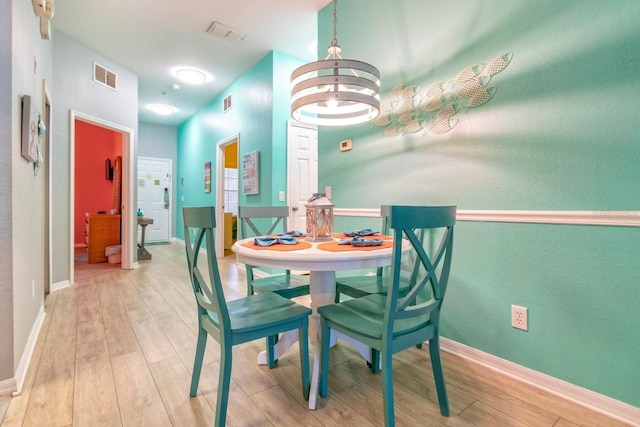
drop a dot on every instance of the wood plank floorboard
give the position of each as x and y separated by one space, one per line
117 349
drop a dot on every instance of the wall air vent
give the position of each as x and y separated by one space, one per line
224 32
227 103
104 76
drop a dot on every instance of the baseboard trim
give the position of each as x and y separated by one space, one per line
8 386
612 408
25 360
60 285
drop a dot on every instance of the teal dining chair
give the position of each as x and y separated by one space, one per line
361 285
263 221
237 321
391 323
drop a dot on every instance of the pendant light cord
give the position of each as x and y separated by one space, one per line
334 42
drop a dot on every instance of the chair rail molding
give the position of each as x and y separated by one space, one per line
597 218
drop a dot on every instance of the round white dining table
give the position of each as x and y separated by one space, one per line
322 266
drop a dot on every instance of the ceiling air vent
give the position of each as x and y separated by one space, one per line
104 76
227 103
224 32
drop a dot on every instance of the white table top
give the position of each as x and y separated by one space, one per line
312 259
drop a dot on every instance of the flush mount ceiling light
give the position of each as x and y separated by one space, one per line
335 91
162 109
191 76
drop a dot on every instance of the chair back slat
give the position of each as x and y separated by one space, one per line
199 225
429 233
262 220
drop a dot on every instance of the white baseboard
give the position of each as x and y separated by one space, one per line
605 405
25 360
60 285
8 386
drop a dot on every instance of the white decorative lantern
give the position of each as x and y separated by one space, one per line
319 218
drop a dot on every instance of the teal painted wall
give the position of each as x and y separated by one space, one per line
258 115
560 133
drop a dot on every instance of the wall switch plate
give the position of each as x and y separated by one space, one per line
281 196
346 145
327 191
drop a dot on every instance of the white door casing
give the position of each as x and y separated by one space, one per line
302 167
154 176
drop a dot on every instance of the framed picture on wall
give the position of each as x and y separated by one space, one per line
250 173
207 177
29 130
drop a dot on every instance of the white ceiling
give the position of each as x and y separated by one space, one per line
150 38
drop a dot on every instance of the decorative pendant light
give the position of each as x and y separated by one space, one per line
335 91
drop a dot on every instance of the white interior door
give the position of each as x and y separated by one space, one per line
302 142
154 179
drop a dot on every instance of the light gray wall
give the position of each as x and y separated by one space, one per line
160 141
74 89
6 270
30 63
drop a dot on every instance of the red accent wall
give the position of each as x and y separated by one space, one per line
93 192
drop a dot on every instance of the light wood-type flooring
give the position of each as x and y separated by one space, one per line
117 349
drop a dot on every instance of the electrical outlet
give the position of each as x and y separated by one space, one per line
519 317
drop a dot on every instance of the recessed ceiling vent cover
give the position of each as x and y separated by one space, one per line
104 76
224 32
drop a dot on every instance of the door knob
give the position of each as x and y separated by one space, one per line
295 208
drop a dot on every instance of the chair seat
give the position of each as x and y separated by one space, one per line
366 316
261 311
286 285
360 286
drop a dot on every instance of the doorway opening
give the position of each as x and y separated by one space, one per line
120 203
227 193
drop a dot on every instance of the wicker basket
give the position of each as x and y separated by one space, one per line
103 231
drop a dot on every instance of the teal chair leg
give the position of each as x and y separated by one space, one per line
303 338
434 352
223 385
271 358
375 361
325 333
387 389
197 364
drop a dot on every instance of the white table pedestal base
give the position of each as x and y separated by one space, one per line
323 292
322 264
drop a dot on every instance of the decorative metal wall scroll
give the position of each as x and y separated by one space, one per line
409 109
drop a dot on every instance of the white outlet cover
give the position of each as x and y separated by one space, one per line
520 317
